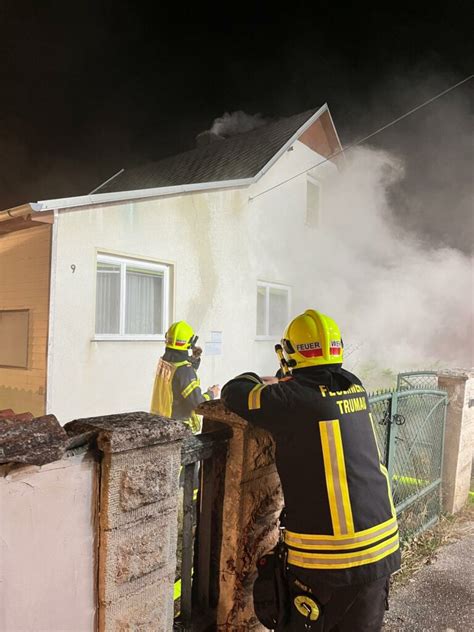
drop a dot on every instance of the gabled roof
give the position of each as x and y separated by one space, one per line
235 158
235 162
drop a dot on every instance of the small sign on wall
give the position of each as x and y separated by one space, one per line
14 325
214 346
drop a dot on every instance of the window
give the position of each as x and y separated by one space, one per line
273 310
313 201
132 299
14 325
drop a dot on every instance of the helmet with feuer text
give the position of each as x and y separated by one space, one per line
180 336
312 339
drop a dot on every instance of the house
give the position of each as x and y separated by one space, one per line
219 236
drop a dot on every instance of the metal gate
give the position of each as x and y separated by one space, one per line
409 424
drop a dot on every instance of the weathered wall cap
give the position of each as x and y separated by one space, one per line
218 411
456 374
128 431
35 442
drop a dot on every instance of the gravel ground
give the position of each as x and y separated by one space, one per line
439 597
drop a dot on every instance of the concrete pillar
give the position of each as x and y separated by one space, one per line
137 519
459 437
251 507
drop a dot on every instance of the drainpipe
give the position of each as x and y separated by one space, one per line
52 313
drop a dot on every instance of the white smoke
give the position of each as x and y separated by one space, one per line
231 124
401 303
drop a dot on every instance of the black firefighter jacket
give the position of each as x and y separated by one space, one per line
340 522
187 394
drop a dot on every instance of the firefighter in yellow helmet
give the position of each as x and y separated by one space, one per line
340 528
177 392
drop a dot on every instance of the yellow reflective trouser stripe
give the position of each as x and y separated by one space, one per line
254 397
383 469
177 590
336 479
359 538
190 388
375 435
344 560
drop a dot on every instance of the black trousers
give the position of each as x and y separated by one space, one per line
348 609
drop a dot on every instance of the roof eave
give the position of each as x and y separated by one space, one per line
123 196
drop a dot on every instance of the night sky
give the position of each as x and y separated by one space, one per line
91 87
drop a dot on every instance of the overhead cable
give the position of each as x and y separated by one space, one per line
362 140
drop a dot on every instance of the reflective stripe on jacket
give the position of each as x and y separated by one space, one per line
339 515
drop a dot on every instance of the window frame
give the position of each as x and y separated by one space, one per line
268 285
144 264
317 183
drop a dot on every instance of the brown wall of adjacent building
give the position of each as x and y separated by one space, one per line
24 284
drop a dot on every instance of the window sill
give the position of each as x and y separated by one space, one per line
131 338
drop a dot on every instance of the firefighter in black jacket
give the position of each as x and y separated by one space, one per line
177 392
341 532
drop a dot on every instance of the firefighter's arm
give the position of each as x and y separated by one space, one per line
257 402
189 388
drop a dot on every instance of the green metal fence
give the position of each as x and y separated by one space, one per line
409 425
417 380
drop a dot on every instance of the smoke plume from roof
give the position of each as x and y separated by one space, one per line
236 123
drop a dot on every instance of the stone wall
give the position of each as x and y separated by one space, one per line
251 507
459 437
138 519
139 457
110 501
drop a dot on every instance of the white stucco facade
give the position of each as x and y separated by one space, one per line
219 243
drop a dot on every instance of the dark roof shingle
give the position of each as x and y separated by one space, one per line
234 158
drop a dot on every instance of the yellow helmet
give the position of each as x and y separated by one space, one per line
312 339
180 336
